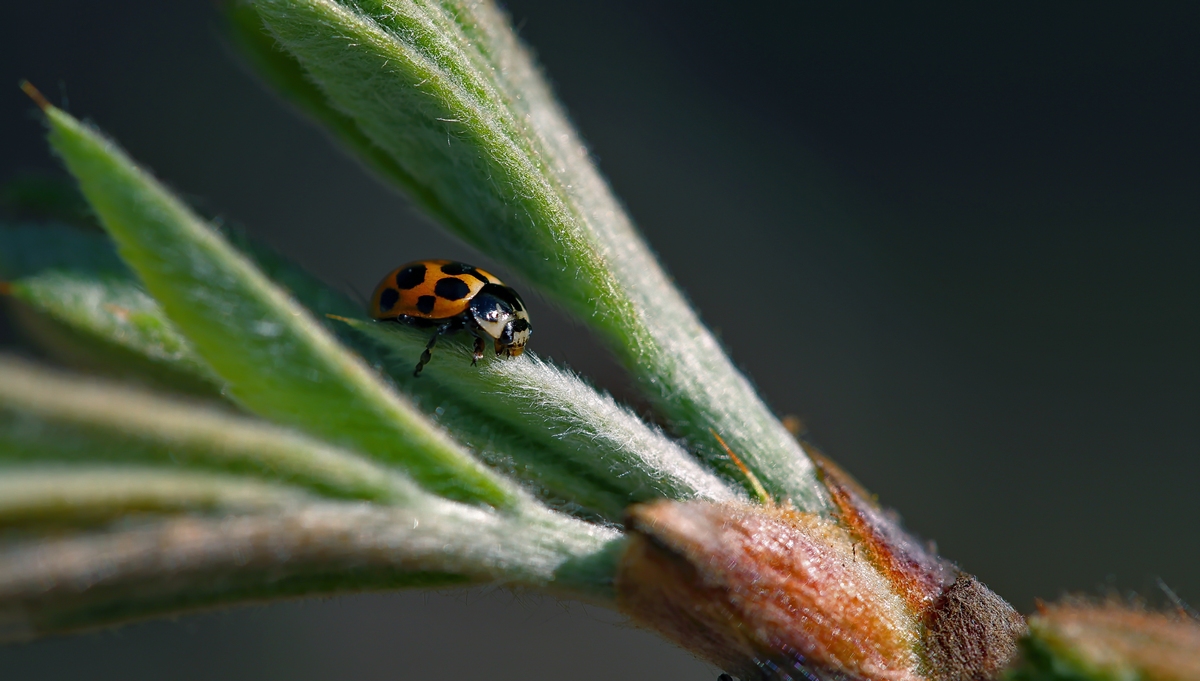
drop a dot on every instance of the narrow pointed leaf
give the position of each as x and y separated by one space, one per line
96 579
106 306
115 311
447 91
558 409
73 297
75 277
48 416
544 468
277 361
73 495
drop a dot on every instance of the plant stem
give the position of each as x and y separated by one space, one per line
55 585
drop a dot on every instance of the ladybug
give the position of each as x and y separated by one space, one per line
452 296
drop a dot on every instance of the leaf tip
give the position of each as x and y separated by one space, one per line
36 95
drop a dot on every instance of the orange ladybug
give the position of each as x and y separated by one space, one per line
451 296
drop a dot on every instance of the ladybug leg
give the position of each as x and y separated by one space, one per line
478 354
428 354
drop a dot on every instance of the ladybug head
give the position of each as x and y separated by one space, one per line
516 333
498 311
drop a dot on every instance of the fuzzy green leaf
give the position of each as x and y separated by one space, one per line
46 416
115 310
560 411
53 585
445 89
103 311
31 495
75 277
277 361
75 298
107 306
75 453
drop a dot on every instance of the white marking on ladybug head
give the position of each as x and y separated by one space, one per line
493 328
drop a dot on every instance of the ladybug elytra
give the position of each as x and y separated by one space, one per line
451 296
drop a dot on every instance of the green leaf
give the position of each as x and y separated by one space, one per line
117 311
76 278
105 307
46 416
52 585
77 301
31 495
277 361
542 467
558 410
447 92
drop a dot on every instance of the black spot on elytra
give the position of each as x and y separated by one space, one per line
410 277
388 299
425 304
456 268
460 268
451 288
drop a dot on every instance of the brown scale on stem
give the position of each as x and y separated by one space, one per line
921 576
769 592
765 592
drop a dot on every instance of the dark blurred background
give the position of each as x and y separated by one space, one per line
980 221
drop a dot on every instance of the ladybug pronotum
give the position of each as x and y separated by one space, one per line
451 296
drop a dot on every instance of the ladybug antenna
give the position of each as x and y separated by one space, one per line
759 490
